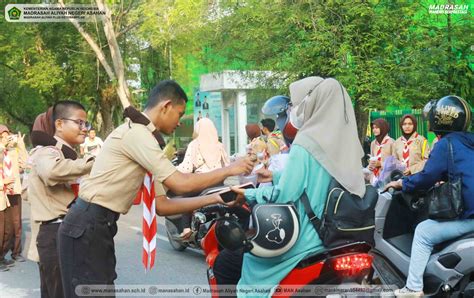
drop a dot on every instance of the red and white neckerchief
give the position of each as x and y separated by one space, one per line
147 195
406 149
378 153
7 171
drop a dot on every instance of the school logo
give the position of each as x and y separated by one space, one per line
14 14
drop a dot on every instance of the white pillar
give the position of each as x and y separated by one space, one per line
225 121
241 111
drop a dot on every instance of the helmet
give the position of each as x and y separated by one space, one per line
277 106
280 106
276 231
230 234
450 113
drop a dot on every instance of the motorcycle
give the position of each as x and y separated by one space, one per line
450 269
201 221
347 264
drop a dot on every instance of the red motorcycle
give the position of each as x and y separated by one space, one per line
349 263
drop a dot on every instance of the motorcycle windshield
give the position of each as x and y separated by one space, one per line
392 170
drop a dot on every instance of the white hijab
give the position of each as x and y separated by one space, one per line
207 143
329 130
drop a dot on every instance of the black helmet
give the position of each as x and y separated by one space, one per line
229 234
277 106
450 113
276 229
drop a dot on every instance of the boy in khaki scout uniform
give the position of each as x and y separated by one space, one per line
49 188
6 229
86 244
15 157
411 148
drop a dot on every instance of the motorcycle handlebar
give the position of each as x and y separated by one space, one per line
214 208
412 200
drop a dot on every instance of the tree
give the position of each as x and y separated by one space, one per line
379 50
116 74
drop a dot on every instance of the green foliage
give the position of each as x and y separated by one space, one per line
384 52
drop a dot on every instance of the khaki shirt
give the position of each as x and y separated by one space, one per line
129 152
17 155
417 147
4 203
50 179
386 149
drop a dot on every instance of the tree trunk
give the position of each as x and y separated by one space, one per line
362 120
107 104
117 61
118 72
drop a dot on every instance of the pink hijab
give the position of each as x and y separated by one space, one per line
207 143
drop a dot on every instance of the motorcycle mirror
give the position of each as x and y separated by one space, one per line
230 234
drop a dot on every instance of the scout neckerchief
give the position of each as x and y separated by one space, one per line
406 148
7 171
379 153
146 194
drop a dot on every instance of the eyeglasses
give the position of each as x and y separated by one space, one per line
81 123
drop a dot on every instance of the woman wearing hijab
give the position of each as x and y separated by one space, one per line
411 148
381 147
319 105
204 154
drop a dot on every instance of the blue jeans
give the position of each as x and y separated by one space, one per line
427 234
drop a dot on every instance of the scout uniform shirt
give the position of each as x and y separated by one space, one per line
12 157
384 149
4 203
129 152
418 152
49 182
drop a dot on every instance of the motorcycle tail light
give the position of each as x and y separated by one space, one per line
350 265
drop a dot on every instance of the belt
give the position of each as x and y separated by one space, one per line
55 220
96 210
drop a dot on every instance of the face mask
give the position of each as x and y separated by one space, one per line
295 120
297 112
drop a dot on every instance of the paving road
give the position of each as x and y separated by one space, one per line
171 267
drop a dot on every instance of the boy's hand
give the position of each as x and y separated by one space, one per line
241 166
21 140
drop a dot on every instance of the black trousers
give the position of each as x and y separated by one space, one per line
86 247
50 273
228 267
